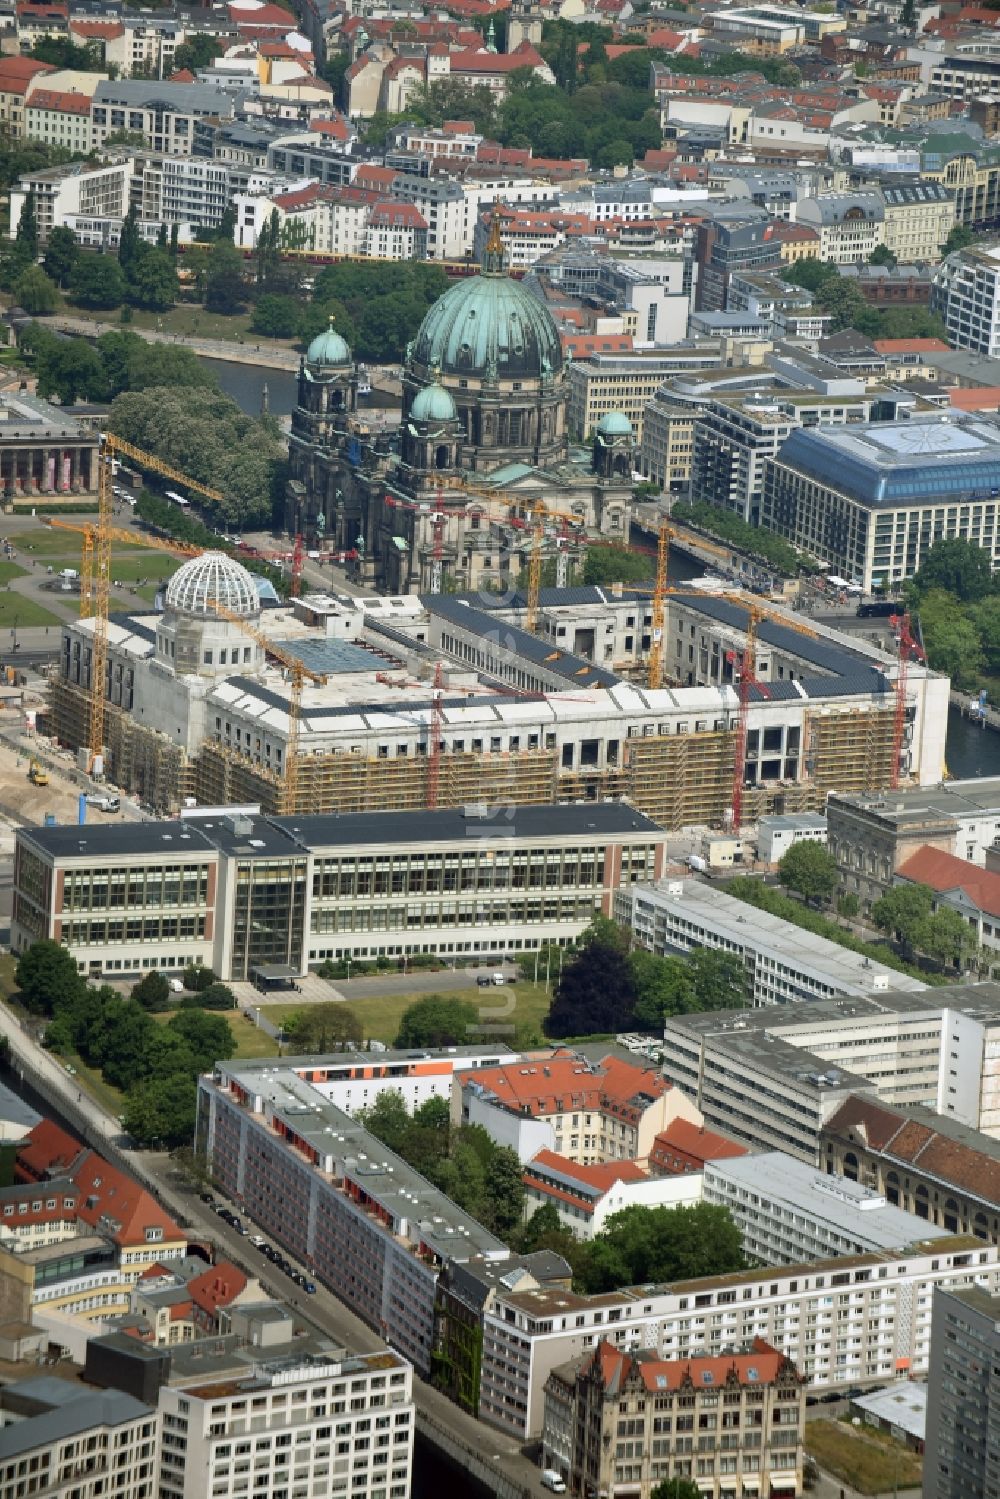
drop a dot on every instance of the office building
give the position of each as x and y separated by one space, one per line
592 1112
776 835
966 293
929 1164
871 503
736 238
962 1455
605 383
61 1439
860 1320
733 439
239 892
774 1077
300 1419
874 834
166 117
756 1448
788 1212
365 1223
784 963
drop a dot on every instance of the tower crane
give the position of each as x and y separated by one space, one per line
94 600
88 532
299 674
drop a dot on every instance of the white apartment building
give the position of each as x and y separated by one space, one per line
788 1212
784 963
773 1077
776 835
293 1421
443 206
67 1441
358 1081
858 1320
966 293
850 225
61 193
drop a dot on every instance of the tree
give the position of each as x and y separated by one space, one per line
199 51
47 978
663 986
26 236
153 281
643 1245
902 911
61 254
387 1119
957 566
616 564
985 618
676 1488
35 292
161 1111
718 979
505 1191
882 255
810 869
152 991
224 290
97 281
845 304
208 1036
197 977
848 905
596 992
959 238
946 936
213 997
810 273
276 316
951 638
325 1027
908 15
130 245
438 1021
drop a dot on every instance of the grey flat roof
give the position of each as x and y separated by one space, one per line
90 1410
543 653
451 825
107 841
903 1403
851 1209
915 805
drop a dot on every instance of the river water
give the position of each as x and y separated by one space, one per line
245 383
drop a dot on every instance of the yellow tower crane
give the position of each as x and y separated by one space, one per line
299 674
95 587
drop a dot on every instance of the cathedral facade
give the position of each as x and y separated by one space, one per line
481 459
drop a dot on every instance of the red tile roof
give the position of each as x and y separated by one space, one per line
114 1202
50 1151
183 75
580 345
599 1177
337 129
262 15
910 1142
218 1286
944 872
911 346
523 56
16 73
981 398
392 215
685 1146
565 1082
614 1366
374 176
65 103
96 30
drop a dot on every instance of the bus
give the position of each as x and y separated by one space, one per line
178 499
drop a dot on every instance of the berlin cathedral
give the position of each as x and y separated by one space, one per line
482 439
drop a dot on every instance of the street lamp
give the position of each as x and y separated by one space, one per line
13 634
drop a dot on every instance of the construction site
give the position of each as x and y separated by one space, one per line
697 705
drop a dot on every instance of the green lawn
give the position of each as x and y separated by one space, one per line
250 1040
521 1005
8 967
10 570
15 606
187 318
866 1459
90 1079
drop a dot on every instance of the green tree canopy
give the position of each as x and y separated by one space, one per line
596 992
957 566
902 911
438 1021
61 254
97 281
160 1113
152 991
224 288
276 316
959 238
35 292
198 977
810 869
676 1488
153 280
47 978
324 1027
617 564
643 1245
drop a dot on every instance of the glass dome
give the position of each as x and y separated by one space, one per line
213 578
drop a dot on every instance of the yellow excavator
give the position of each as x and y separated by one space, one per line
37 775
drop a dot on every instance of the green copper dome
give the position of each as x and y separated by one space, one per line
614 424
489 326
433 404
328 348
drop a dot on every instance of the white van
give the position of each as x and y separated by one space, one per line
552 1481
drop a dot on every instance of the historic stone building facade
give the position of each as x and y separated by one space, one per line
482 454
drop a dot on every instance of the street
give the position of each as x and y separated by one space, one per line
322 1312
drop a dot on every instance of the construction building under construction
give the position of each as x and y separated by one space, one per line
444 700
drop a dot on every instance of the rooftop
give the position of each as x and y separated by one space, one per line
912 807
853 1210
946 873
85 1411
740 926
